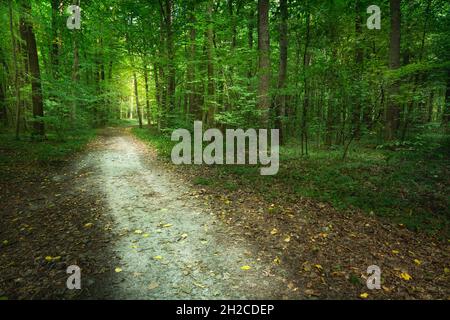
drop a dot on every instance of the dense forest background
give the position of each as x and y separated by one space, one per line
336 90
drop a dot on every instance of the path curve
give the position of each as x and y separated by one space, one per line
170 244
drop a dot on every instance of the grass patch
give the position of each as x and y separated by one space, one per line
405 186
25 150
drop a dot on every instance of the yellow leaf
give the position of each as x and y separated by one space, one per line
167 225
395 251
418 262
48 258
277 260
364 295
405 276
318 266
157 257
89 225
245 268
118 269
287 239
274 231
146 235
138 231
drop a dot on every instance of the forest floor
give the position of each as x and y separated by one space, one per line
141 228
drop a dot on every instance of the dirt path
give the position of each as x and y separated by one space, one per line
170 245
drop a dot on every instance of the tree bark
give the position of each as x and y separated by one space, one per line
264 61
36 87
54 50
359 60
306 58
192 101
136 96
171 56
210 67
147 98
282 75
393 108
16 69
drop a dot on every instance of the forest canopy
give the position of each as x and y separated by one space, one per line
312 69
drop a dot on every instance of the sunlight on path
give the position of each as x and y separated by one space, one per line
171 246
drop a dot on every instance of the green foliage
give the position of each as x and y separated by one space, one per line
408 186
53 150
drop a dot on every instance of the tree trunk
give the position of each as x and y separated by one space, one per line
171 56
16 69
393 108
264 61
306 58
282 76
210 67
192 101
359 60
54 50
147 99
136 96
446 113
36 88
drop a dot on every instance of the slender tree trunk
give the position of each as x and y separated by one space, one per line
393 108
157 95
430 107
16 68
446 112
147 98
136 97
306 58
192 101
264 60
359 60
210 66
251 27
171 56
54 51
36 87
282 76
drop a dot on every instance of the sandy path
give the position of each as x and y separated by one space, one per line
170 245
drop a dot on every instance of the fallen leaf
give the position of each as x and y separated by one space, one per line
364 295
395 251
274 231
405 276
287 239
418 262
138 231
245 268
118 269
277 260
89 225
157 257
